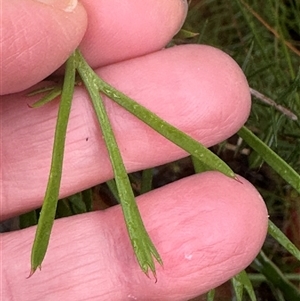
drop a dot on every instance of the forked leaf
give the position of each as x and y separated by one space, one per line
184 141
141 242
47 214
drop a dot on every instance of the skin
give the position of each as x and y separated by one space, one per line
206 227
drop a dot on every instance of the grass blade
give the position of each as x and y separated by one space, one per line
283 240
87 197
271 158
77 204
47 215
240 282
238 288
211 295
28 219
273 274
146 183
111 184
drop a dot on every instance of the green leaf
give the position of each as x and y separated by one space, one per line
77 203
240 282
53 93
113 189
283 240
199 166
144 249
273 274
63 209
142 245
192 146
211 295
43 90
28 219
87 198
271 158
47 214
238 288
185 34
146 184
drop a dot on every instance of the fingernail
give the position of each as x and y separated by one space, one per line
66 5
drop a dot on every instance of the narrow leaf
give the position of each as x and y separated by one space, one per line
77 204
143 247
240 282
271 158
47 215
87 197
274 231
274 275
192 146
63 209
211 295
52 94
113 189
28 219
185 34
146 184
238 288
42 90
199 166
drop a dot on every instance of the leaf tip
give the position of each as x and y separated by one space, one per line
32 271
153 274
237 179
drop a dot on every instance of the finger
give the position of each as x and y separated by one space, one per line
198 89
122 30
206 228
110 37
36 39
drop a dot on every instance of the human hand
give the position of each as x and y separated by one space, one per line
206 227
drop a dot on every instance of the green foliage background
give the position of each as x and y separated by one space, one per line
264 38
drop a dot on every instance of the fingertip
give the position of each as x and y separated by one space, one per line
36 40
224 85
207 229
198 81
121 32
